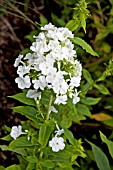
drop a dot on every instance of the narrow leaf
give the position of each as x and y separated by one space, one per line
70 136
44 133
22 98
102 89
83 21
21 142
13 167
84 45
28 111
108 143
90 100
83 109
72 25
48 164
87 76
100 158
32 159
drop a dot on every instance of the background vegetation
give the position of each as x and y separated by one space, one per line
94 120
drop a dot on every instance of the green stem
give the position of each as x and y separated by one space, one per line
49 107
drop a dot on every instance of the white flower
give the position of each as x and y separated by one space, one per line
61 99
59 132
23 82
53 109
76 99
33 94
45 67
40 83
75 82
18 60
48 27
60 86
57 144
16 131
22 70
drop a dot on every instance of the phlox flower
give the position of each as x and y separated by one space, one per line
22 70
59 132
53 109
76 99
40 83
18 60
61 99
52 65
33 94
23 82
57 144
16 131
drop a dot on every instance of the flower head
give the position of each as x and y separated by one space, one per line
16 131
57 144
52 65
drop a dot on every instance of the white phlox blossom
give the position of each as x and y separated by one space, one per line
53 109
57 144
33 94
52 65
16 131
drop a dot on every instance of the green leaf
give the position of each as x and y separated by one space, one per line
23 99
72 25
84 45
83 20
108 143
100 158
44 133
83 109
69 136
20 151
2 168
32 159
21 142
31 166
7 138
87 76
102 88
108 122
43 20
28 111
90 100
48 164
13 167
25 51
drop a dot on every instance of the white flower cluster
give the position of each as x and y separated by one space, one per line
57 143
51 65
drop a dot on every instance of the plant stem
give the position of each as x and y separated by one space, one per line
49 107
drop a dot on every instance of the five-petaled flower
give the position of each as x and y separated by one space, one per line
57 144
16 131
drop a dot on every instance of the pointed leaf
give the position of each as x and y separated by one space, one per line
83 109
83 20
22 98
13 167
90 100
108 143
72 25
84 45
44 133
28 111
100 158
102 89
87 76
21 142
70 136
